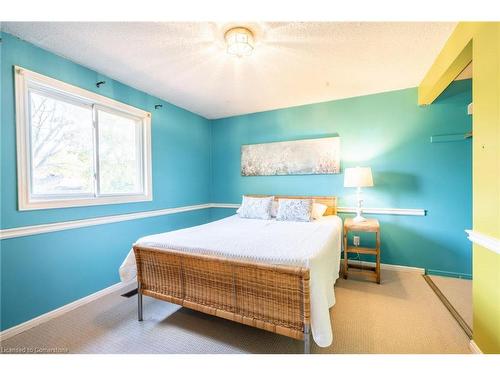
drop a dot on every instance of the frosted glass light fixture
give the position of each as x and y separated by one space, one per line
239 41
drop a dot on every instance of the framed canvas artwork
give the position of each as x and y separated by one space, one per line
307 156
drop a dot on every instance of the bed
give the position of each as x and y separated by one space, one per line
269 274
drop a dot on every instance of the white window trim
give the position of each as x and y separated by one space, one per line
23 78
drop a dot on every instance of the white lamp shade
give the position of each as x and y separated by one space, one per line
358 177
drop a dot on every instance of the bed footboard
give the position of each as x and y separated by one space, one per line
269 297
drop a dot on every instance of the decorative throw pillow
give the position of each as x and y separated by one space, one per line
274 208
318 210
255 208
294 210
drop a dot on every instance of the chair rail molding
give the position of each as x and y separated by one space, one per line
385 211
73 224
349 210
488 242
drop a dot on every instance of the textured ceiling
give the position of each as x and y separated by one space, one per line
293 63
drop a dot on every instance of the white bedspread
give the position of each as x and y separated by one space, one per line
315 245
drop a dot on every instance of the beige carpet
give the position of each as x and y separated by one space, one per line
402 315
459 293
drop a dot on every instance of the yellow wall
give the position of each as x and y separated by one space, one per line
479 42
486 128
486 184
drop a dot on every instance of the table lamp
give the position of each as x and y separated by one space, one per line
358 177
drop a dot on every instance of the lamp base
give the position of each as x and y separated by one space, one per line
358 219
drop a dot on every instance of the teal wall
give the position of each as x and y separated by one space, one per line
43 272
180 140
40 273
197 161
389 133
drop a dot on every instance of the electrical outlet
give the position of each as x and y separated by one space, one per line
356 240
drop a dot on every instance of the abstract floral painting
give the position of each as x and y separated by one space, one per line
308 156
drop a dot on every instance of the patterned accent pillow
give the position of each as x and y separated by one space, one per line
255 208
274 208
294 210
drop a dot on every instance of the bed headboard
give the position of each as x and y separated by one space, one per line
330 202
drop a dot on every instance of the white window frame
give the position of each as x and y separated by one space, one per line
26 80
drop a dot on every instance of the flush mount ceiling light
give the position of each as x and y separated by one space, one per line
239 41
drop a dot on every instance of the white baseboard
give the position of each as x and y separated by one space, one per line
394 267
474 348
4 335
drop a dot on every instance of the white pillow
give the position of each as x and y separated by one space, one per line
255 208
294 209
318 210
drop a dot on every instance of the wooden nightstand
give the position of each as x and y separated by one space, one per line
370 225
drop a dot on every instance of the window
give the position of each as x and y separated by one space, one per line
78 148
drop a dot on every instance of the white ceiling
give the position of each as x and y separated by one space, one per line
292 64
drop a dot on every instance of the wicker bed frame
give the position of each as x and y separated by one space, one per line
270 297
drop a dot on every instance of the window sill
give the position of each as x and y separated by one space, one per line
64 203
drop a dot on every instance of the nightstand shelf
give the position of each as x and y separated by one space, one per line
361 250
369 226
357 268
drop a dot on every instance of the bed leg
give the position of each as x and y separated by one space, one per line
307 339
139 302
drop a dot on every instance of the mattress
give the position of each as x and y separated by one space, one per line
315 245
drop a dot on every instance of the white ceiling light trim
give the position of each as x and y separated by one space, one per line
239 41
